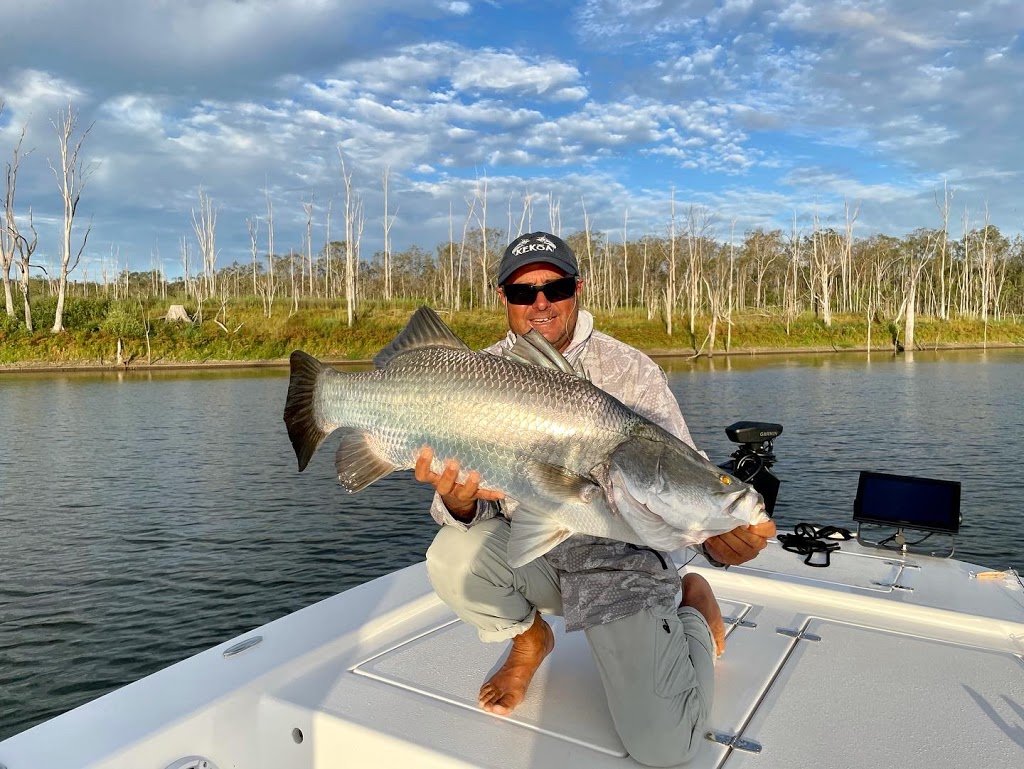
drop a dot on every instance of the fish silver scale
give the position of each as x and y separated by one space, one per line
491 414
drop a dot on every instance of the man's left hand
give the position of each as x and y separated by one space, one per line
741 544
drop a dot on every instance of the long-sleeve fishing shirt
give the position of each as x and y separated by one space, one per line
603 580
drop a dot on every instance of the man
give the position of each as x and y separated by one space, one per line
659 693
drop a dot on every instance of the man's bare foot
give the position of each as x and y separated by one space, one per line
698 594
506 688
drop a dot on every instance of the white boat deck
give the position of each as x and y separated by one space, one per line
874 661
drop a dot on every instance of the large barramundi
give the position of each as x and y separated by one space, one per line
575 459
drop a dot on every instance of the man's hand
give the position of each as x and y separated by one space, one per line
741 544
459 498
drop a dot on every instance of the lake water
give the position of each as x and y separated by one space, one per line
145 517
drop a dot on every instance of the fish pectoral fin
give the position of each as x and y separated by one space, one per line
532 349
533 534
560 484
357 463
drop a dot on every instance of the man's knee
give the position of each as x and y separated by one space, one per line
445 545
670 740
446 559
657 698
456 556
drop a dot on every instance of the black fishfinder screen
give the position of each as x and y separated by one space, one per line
902 500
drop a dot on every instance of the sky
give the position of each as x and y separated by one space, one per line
760 113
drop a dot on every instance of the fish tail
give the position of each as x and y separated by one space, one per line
299 416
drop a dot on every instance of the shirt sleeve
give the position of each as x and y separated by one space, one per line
443 517
657 403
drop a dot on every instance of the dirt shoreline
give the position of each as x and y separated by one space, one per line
65 366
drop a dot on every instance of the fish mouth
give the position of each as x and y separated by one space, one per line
740 502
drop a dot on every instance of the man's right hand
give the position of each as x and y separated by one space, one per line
459 498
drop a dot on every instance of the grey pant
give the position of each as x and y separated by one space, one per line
657 666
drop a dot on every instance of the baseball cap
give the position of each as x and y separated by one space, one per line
537 247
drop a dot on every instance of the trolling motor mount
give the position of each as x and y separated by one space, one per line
753 460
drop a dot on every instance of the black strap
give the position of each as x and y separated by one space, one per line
808 540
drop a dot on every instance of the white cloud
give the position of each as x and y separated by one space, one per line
757 107
498 71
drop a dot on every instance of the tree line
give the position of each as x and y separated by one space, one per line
695 276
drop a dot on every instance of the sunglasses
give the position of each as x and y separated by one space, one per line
526 293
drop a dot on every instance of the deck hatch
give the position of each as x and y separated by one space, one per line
919 703
565 700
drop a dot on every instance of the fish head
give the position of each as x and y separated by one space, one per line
672 496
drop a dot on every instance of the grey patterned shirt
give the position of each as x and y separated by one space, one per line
603 580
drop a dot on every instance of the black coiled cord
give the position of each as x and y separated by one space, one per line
807 540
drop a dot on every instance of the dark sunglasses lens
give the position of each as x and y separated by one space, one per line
560 289
554 291
520 293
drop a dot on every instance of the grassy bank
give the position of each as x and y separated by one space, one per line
243 333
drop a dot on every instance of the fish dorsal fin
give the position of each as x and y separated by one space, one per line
532 349
424 329
560 484
532 535
358 465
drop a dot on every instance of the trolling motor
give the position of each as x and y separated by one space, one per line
753 460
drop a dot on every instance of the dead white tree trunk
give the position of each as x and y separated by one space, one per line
271 285
450 291
462 252
9 235
947 197
328 251
25 249
14 246
698 234
389 221
846 259
594 287
6 246
308 265
555 215
350 255
729 289
481 220
826 254
792 277
71 180
205 227
670 276
252 226
625 257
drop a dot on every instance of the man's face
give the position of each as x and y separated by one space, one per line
556 321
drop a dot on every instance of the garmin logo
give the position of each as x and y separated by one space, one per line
767 434
538 244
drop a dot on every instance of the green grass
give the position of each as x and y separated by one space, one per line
320 328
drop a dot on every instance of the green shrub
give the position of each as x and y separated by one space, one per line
124 323
85 314
9 324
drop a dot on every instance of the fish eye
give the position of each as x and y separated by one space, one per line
725 479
